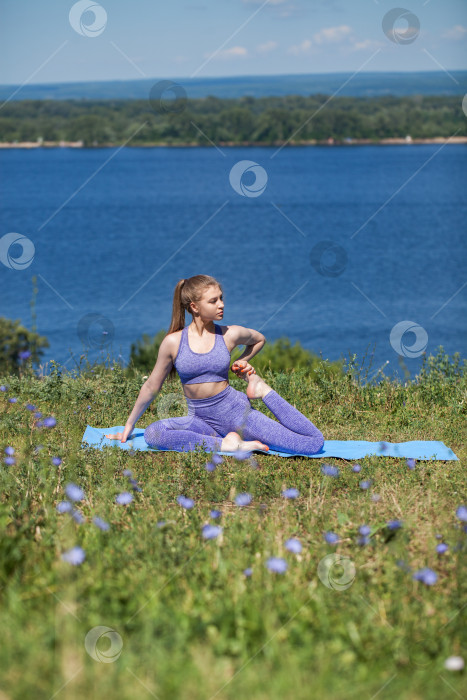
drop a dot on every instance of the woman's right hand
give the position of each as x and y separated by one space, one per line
122 436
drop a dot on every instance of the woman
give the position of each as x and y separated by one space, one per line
219 416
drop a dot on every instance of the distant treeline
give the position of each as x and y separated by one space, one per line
264 120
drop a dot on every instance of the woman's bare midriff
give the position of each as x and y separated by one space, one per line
204 390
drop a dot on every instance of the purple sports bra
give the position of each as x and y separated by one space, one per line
197 367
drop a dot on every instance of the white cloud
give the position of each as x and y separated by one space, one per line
267 47
366 44
332 34
234 52
457 32
300 49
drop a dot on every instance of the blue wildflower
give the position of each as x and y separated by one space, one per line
75 556
364 530
277 564
185 502
331 537
365 484
30 407
461 513
24 354
243 499
38 414
127 472
329 470
291 493
74 493
411 463
77 516
441 548
3 388
216 459
9 461
134 485
9 450
64 507
215 514
363 540
356 468
101 524
56 461
426 575
124 498
211 531
210 467
293 545
242 454
13 400
248 572
50 422
394 524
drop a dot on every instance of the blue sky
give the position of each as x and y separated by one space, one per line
203 38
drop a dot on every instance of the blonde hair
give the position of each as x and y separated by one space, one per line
187 291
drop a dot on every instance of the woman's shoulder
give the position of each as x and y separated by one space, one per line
173 341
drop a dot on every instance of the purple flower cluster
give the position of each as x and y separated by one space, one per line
243 499
186 503
76 555
329 470
215 460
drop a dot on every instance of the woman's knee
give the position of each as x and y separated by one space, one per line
155 433
319 440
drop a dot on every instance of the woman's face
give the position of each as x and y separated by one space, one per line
211 304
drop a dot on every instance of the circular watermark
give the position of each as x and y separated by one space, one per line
95 331
398 339
336 572
109 655
328 258
159 94
27 255
165 405
401 26
256 177
88 18
464 105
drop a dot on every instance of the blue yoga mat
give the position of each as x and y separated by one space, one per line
344 449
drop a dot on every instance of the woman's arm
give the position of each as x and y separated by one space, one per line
146 396
253 340
150 388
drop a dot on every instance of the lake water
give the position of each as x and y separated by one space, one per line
344 245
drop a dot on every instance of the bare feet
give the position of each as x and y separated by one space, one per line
257 387
233 442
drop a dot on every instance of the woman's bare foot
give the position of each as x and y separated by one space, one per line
257 387
233 442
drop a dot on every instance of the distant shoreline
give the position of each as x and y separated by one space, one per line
231 144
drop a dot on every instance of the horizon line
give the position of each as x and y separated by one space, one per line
230 77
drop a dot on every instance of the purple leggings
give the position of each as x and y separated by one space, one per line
210 419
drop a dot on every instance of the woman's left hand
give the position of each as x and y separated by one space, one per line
242 369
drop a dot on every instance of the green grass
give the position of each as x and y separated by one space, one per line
190 624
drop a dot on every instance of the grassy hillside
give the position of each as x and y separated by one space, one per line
192 617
